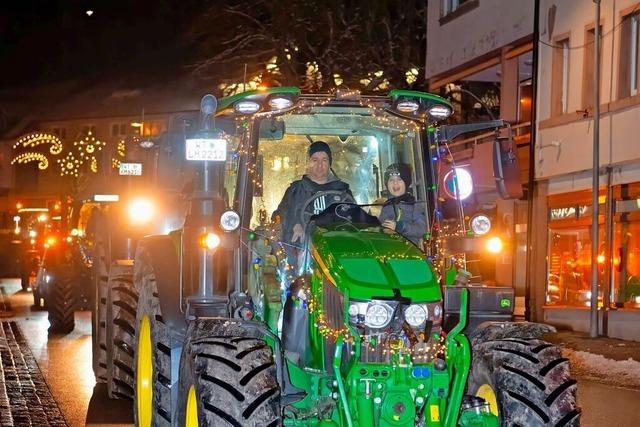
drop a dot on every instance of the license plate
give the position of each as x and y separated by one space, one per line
134 169
214 150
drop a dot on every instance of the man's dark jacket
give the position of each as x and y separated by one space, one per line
299 192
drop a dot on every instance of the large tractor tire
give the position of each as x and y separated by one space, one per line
100 278
152 367
526 382
122 301
228 380
61 300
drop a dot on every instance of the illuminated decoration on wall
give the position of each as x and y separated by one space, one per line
42 160
35 139
69 165
87 149
120 153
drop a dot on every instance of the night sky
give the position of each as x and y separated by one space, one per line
52 40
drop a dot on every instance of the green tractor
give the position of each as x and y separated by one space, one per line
353 325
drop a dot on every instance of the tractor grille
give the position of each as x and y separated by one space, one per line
333 305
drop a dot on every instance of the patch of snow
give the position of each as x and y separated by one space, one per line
622 373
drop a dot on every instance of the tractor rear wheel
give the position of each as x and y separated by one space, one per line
122 301
525 381
152 363
229 381
61 300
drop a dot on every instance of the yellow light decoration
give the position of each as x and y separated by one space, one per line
69 165
87 147
35 139
23 158
121 148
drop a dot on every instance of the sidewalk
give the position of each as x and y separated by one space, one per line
606 360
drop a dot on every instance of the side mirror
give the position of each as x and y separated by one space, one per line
506 169
272 129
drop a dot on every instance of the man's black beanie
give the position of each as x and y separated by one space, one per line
320 146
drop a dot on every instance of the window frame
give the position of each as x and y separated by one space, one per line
560 73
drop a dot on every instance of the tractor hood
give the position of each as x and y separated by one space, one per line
369 263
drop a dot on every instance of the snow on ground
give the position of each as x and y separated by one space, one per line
621 373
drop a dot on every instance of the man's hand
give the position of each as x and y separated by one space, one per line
389 224
298 233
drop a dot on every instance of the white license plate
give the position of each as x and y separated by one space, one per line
134 169
214 150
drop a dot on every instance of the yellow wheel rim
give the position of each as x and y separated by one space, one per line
489 395
191 419
144 379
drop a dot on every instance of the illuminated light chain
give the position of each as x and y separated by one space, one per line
35 139
23 158
69 165
94 165
115 163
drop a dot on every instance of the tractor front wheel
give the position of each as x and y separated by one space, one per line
525 381
228 380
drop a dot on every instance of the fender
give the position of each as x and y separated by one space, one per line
166 265
490 331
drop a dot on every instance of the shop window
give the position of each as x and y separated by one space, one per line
626 255
569 279
628 76
476 97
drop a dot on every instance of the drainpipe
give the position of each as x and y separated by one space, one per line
528 310
593 330
608 266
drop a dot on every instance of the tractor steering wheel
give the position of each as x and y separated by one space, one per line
338 196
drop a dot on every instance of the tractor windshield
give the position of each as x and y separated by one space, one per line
362 145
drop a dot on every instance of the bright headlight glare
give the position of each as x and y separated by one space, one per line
480 224
209 240
415 315
494 245
378 315
230 221
439 112
353 310
246 107
407 107
140 211
280 103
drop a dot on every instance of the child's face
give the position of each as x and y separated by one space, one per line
396 186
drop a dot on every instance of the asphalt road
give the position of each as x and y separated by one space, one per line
65 361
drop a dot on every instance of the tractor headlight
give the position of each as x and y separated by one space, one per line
140 211
280 103
439 112
230 221
378 315
246 107
415 315
480 224
437 312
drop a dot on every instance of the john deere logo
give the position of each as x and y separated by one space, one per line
505 302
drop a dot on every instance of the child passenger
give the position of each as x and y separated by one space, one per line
401 212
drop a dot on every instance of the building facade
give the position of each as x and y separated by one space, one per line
564 159
480 55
